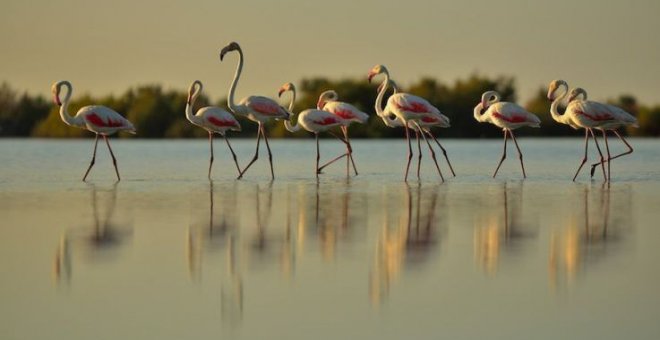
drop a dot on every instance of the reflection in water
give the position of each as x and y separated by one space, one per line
499 225
105 236
596 225
408 242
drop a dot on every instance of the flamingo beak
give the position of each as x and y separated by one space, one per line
279 93
223 52
57 100
370 76
320 104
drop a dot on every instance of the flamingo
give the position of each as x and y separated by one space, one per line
435 120
99 119
608 118
212 119
408 109
256 108
574 118
505 115
348 114
312 120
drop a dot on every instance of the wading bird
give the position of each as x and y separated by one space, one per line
95 118
435 120
314 121
256 108
508 117
347 114
607 118
212 119
408 108
573 118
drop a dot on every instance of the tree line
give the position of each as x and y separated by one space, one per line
157 113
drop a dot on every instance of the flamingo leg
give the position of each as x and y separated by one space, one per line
211 159
444 152
435 160
332 161
114 160
584 160
405 126
630 150
520 156
602 159
609 157
256 154
349 148
318 154
270 154
419 152
233 154
503 154
91 164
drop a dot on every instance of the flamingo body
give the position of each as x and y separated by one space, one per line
510 116
346 112
102 120
317 121
598 115
410 107
261 109
216 120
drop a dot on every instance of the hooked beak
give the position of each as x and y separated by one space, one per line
279 93
370 76
320 104
223 52
57 100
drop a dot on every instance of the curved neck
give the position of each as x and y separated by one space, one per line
195 91
381 94
287 123
64 108
230 100
554 107
477 112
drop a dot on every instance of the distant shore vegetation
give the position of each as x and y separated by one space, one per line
157 113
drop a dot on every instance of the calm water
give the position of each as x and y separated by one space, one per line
165 254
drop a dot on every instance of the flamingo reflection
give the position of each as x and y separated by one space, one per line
105 237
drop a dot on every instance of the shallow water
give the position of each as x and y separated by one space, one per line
166 254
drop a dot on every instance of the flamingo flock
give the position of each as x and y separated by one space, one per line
401 110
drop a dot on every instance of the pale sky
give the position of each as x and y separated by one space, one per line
103 47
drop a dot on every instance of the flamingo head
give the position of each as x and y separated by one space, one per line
576 92
376 70
57 88
194 90
233 46
325 97
284 88
489 98
554 86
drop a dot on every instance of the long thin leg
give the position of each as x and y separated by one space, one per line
405 126
114 160
520 156
256 155
419 152
435 160
211 159
602 159
630 150
444 152
318 155
350 148
233 154
609 157
584 160
270 154
91 164
332 161
503 155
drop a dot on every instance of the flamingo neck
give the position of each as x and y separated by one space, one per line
64 108
230 100
190 103
477 113
381 95
554 107
287 123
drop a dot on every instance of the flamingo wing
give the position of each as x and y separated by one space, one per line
318 120
218 119
511 113
104 120
346 111
595 112
411 104
265 106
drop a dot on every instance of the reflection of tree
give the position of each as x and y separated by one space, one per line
408 243
105 236
597 223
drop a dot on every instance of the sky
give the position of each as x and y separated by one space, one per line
106 47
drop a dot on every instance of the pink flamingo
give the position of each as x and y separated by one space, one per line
95 118
212 119
256 108
432 120
508 117
409 109
314 121
348 114
607 118
574 118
